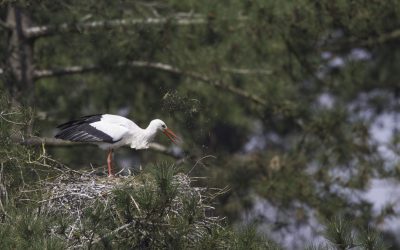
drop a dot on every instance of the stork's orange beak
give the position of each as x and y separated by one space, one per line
171 135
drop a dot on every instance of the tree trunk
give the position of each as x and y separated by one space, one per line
21 69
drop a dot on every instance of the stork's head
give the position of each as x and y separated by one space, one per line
160 125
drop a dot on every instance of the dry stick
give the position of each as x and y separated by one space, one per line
3 191
157 66
111 233
182 20
240 71
199 161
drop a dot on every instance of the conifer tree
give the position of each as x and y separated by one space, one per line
278 100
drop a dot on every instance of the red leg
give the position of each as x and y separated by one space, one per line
109 163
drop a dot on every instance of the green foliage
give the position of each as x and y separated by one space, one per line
343 235
339 232
248 238
371 239
25 229
19 165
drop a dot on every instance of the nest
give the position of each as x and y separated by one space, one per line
68 195
72 194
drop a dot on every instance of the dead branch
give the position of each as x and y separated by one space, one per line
38 74
157 66
46 30
53 142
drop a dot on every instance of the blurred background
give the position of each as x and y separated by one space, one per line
292 105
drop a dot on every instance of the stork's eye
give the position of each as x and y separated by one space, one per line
163 126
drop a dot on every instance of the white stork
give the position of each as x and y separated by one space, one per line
111 132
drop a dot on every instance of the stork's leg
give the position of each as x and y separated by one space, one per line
109 163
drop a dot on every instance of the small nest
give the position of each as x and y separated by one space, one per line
72 193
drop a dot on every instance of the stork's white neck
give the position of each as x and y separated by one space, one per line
141 138
151 131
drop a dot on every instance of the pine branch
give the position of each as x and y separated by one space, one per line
53 142
157 66
354 42
47 30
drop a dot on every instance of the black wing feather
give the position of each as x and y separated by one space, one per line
82 120
80 130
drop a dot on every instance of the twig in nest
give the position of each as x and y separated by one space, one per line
199 161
